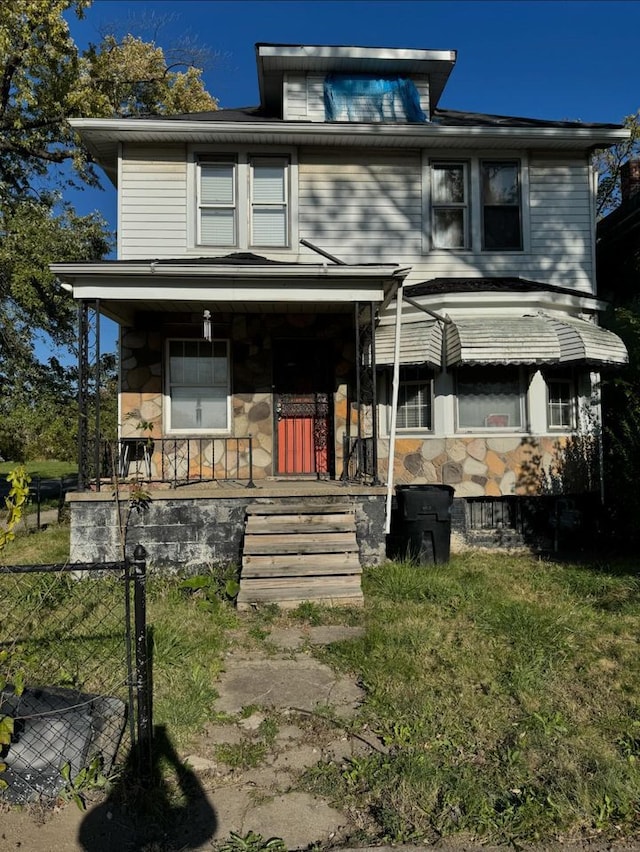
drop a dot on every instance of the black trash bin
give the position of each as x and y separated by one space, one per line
421 524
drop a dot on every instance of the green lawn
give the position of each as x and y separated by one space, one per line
45 468
506 689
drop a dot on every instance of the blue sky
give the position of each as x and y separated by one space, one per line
540 58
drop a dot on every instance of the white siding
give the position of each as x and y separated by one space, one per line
364 207
153 202
560 217
295 97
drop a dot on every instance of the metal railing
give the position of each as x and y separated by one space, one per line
178 461
359 465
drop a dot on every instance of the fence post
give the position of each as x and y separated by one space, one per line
143 697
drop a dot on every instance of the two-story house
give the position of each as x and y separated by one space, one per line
349 288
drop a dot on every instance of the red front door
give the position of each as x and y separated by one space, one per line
303 411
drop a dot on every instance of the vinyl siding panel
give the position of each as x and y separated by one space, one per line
561 221
153 202
367 209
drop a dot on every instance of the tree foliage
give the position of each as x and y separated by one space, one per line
608 163
45 80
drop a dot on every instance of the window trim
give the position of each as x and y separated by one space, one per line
242 157
169 430
465 205
573 395
217 161
498 429
475 208
482 162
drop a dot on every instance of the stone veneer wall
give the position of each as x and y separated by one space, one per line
251 337
496 466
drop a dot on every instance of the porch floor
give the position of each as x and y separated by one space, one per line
229 489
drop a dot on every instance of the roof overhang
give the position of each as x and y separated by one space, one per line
102 136
126 287
276 60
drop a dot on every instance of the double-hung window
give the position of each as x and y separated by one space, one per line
415 398
268 192
218 221
243 201
198 385
500 197
449 206
561 403
490 398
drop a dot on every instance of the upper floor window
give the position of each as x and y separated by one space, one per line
501 219
198 386
475 204
449 205
243 201
490 398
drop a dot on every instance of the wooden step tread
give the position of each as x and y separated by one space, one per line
297 508
288 547
269 526
337 561
255 590
291 574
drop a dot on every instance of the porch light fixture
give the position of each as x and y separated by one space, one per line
206 326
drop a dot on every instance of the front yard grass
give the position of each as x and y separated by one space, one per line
506 689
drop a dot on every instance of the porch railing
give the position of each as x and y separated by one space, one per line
178 461
359 465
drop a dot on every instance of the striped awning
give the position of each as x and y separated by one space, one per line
420 343
536 339
539 339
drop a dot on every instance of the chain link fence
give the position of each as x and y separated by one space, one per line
73 675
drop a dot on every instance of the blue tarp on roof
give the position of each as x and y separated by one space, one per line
365 97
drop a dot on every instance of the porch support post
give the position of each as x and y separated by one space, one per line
356 315
374 399
98 381
394 407
83 394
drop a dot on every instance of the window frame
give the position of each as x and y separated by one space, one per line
252 204
464 205
484 376
569 381
243 160
424 378
484 205
475 211
169 386
202 205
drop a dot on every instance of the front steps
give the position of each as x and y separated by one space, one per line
300 552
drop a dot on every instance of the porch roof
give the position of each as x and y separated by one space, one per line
238 283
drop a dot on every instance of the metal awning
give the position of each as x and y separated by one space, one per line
540 339
535 339
420 343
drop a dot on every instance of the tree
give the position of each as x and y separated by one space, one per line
44 81
609 162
